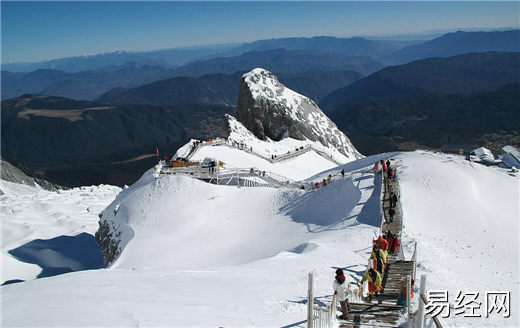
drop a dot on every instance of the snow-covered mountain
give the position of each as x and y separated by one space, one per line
194 254
269 109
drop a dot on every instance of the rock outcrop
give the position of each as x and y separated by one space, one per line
108 239
11 173
269 109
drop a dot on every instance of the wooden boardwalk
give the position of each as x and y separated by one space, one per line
383 311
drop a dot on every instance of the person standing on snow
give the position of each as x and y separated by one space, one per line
339 287
374 283
342 173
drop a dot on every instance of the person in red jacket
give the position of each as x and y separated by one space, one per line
393 242
382 244
401 300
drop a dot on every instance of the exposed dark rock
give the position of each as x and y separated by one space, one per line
270 110
106 241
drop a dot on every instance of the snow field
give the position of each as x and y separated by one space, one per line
465 219
31 213
202 255
192 263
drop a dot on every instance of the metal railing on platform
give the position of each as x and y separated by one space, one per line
273 159
217 174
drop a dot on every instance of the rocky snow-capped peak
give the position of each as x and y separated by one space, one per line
270 109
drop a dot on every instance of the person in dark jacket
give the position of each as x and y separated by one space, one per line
379 259
394 200
391 213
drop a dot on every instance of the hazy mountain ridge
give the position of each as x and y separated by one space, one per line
90 85
283 61
462 74
456 43
162 57
87 85
208 89
94 76
355 46
222 88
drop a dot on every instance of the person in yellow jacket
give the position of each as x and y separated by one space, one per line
374 282
379 258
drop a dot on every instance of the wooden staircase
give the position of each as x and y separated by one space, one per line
383 311
371 315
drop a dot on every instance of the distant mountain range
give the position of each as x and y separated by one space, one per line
397 48
163 57
469 99
452 44
89 77
87 85
181 56
343 46
428 121
463 74
90 85
223 88
75 143
283 61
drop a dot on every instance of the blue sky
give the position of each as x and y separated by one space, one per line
33 31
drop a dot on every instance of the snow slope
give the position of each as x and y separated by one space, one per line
30 214
465 219
203 255
206 255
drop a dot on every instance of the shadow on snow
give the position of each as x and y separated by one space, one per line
61 254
